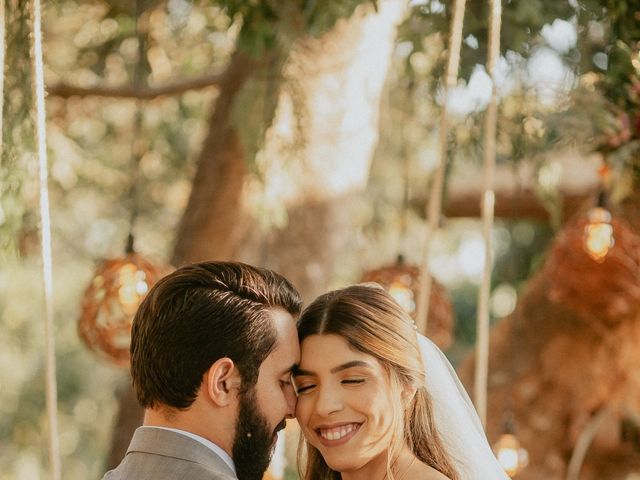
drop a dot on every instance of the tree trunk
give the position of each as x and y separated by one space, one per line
130 416
214 218
337 80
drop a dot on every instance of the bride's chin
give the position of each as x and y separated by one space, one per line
339 463
343 466
354 459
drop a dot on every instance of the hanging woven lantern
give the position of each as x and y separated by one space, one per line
401 280
110 302
594 267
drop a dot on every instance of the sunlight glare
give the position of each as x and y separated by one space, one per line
470 257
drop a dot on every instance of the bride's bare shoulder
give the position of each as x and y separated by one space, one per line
424 472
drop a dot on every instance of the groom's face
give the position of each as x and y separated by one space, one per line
264 408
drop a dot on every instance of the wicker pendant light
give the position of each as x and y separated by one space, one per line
594 267
402 281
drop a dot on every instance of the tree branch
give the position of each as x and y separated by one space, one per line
508 205
65 90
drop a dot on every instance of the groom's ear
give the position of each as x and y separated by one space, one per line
222 382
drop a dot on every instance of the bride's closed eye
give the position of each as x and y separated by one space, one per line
303 387
352 381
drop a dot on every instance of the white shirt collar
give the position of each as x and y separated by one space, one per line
207 443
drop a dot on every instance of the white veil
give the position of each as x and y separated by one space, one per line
456 419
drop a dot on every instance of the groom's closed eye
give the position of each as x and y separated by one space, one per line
285 382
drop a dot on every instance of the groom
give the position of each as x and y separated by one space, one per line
212 348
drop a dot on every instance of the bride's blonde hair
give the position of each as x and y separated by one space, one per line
372 322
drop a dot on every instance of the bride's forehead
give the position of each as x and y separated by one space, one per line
328 349
326 340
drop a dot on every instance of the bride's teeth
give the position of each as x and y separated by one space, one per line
338 432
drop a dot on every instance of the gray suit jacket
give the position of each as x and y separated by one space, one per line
157 454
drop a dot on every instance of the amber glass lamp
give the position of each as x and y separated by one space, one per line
510 454
598 232
508 450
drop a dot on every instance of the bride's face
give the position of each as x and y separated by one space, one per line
345 403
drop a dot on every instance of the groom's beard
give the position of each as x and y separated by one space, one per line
254 441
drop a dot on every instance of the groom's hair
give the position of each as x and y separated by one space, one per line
197 315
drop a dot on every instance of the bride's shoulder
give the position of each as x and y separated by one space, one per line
424 472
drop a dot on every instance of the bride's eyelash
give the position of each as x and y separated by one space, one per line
348 381
353 381
304 388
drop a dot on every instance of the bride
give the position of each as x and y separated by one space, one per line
378 401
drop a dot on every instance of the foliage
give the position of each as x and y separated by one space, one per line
17 161
86 387
605 60
617 38
527 126
522 21
266 23
596 107
610 67
269 31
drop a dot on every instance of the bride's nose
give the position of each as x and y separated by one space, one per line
328 401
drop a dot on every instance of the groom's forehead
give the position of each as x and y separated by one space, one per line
287 349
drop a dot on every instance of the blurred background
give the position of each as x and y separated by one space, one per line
303 136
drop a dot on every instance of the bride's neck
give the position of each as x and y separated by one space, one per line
376 469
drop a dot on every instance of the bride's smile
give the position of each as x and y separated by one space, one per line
337 434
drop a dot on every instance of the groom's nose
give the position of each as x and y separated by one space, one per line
292 400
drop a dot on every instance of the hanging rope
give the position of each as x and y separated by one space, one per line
488 203
138 145
51 388
2 49
435 195
584 442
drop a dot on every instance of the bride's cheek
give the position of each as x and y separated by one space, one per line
302 412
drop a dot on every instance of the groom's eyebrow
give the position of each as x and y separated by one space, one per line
296 371
290 370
